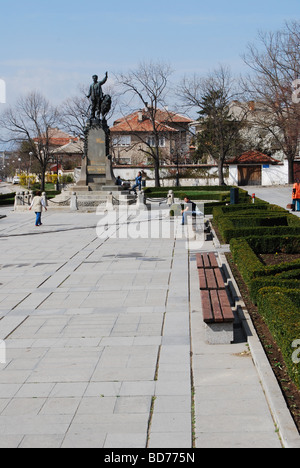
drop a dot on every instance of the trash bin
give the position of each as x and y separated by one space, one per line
234 196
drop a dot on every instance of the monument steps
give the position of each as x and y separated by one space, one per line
92 199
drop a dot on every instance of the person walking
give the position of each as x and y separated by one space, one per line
138 183
296 195
37 204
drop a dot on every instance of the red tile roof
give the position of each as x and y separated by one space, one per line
57 137
139 121
253 157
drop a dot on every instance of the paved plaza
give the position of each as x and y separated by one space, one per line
105 343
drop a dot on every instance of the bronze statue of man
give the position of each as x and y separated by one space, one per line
96 96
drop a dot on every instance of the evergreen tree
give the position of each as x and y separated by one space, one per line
219 133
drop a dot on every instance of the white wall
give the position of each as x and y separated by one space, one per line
275 175
129 174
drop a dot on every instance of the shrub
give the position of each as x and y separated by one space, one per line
281 310
257 284
7 199
261 229
256 275
246 260
289 244
262 220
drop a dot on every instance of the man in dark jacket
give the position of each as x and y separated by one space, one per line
190 210
96 95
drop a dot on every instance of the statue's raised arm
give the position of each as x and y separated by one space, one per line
104 79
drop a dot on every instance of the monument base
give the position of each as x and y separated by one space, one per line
91 201
96 170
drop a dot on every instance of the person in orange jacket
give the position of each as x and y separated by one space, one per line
296 195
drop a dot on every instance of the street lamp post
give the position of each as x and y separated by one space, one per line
29 172
177 166
177 170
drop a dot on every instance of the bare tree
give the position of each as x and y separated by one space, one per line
73 113
275 65
31 120
219 130
148 85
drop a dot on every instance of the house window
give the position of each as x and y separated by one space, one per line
122 140
125 160
161 143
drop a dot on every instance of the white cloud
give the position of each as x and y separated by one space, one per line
2 91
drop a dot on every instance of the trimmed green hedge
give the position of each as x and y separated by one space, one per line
289 244
262 228
219 193
7 199
246 260
262 220
256 275
281 310
257 284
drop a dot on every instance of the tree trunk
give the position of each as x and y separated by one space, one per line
43 179
157 176
291 171
221 172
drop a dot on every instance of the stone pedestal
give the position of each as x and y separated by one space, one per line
96 170
97 182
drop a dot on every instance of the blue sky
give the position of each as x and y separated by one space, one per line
55 45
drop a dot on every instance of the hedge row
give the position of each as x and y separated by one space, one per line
280 309
7 199
258 229
258 276
262 220
219 193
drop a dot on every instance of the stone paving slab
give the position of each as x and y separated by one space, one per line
105 344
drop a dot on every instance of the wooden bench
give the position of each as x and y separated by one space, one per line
206 260
211 279
216 307
217 313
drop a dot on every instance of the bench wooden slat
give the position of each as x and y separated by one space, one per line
213 260
202 278
199 260
219 278
225 306
206 261
216 308
206 307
